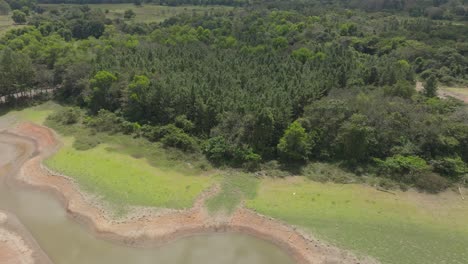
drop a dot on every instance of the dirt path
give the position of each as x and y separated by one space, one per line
148 228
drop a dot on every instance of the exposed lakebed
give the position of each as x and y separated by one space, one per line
67 242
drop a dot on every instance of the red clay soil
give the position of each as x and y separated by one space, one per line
148 229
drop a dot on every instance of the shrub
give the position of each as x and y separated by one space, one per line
183 123
452 167
67 116
106 121
400 166
216 150
85 142
177 138
152 133
430 182
244 156
294 145
323 172
19 17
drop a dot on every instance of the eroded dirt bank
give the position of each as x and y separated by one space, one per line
148 227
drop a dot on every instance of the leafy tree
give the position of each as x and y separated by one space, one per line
430 87
303 54
136 97
177 138
400 165
16 73
356 139
100 96
18 17
129 14
453 167
183 123
294 143
217 150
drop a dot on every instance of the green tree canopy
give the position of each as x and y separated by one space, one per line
430 87
100 96
294 144
19 17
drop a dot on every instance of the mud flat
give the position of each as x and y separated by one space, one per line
17 246
147 227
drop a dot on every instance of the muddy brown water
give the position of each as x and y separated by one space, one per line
67 242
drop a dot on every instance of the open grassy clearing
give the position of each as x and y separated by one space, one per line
235 187
407 227
148 12
5 23
457 92
123 170
125 180
36 114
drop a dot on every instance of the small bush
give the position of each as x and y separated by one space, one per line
401 167
67 116
431 182
323 172
183 123
216 150
86 142
106 121
177 138
451 167
387 184
152 133
273 169
245 157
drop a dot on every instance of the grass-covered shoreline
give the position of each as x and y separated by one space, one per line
113 170
404 227
393 227
125 180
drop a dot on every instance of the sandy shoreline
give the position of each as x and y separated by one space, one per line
147 228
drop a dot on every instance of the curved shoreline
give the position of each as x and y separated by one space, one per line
149 228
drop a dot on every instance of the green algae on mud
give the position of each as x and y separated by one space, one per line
408 227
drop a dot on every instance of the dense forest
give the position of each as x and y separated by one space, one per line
294 81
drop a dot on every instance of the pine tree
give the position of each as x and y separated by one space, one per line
430 88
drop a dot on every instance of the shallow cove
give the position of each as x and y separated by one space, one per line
67 242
